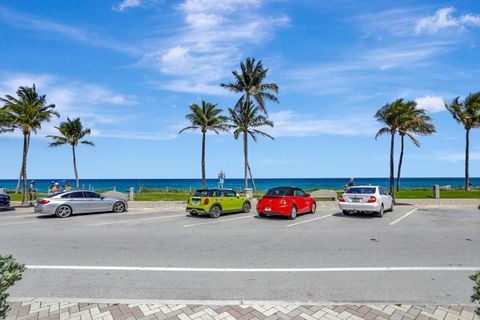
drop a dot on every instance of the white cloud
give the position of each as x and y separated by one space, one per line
210 42
443 19
456 157
126 4
431 103
290 124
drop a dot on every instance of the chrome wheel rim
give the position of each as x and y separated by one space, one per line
64 211
294 212
119 207
216 212
314 207
246 207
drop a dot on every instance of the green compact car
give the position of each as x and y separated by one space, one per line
217 201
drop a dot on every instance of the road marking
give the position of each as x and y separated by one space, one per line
133 220
180 269
403 217
311 220
216 221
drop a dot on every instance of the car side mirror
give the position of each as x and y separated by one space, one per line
307 194
237 195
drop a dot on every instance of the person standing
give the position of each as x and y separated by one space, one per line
351 183
32 192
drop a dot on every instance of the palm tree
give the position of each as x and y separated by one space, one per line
390 115
250 82
246 119
205 118
72 133
27 112
467 114
413 121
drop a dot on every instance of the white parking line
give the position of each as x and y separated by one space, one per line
216 221
133 220
191 269
403 217
311 220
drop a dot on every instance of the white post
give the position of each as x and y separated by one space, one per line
132 193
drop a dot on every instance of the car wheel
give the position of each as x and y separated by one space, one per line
261 214
314 207
246 207
119 207
346 212
380 213
293 213
63 211
193 213
215 212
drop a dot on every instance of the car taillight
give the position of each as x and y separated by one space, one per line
372 199
284 201
44 201
206 201
341 199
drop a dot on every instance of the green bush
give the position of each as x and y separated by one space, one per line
10 272
476 290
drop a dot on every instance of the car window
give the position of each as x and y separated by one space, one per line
201 193
77 195
92 195
67 195
361 190
54 194
230 193
382 192
280 192
298 193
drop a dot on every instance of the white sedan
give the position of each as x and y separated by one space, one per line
371 199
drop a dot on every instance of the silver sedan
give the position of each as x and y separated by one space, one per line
64 204
366 199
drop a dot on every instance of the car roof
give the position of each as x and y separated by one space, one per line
364 186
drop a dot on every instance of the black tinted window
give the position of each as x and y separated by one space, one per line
67 195
230 193
299 193
89 194
366 190
280 192
76 195
207 193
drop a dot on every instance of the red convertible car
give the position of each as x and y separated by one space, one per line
286 201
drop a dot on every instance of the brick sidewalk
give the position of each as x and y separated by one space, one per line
44 309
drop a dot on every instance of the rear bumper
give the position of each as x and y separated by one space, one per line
195 209
274 210
43 209
5 204
360 207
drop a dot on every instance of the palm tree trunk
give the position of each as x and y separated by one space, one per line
392 165
245 154
467 156
251 178
26 139
204 179
75 167
400 161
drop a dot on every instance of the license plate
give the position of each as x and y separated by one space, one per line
355 200
268 209
196 202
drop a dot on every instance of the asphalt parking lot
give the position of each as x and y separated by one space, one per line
413 255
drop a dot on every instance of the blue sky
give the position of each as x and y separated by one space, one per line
130 68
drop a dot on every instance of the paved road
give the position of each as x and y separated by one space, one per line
325 257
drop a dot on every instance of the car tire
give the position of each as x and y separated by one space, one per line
346 212
63 211
314 207
118 207
215 211
262 215
380 213
293 213
193 213
246 207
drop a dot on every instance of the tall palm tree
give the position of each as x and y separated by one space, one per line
466 113
72 133
413 121
27 112
250 82
246 119
205 118
390 115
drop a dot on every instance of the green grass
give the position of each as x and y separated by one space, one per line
18 196
444 194
165 196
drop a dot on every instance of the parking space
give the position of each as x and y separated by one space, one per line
417 249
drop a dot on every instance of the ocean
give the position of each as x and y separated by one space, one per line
124 185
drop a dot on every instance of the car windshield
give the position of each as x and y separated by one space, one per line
280 192
361 190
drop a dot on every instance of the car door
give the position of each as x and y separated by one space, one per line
301 200
231 199
386 199
78 202
95 202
